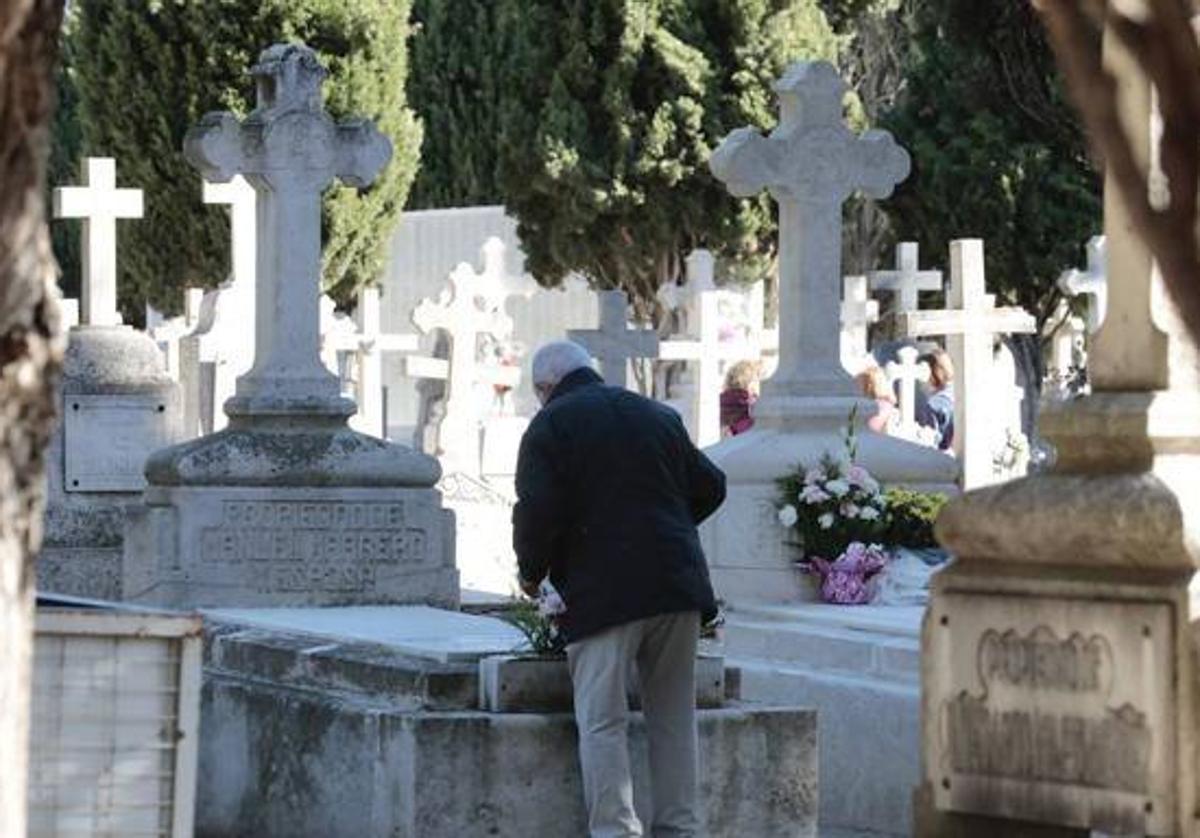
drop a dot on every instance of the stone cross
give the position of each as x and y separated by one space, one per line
239 195
706 351
970 326
458 312
99 203
811 163
1091 283
859 311
368 342
614 344
907 280
290 150
908 372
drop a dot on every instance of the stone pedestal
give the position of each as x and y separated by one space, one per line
1059 675
117 406
287 505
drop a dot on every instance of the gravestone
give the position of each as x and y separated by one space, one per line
706 352
857 666
287 505
463 314
221 347
168 332
1091 283
970 325
614 344
117 402
858 312
1059 676
908 373
907 280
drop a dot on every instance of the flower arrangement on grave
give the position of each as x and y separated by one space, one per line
541 621
847 527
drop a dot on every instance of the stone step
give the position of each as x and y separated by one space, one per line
869 742
823 647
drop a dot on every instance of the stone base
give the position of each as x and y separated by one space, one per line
743 541
308 737
859 666
229 546
91 572
531 684
928 822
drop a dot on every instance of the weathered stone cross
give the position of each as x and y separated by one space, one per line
908 372
613 344
859 311
290 150
99 204
458 312
811 163
1090 283
907 280
970 326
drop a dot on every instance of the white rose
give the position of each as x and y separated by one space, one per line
788 516
851 510
826 520
868 513
837 487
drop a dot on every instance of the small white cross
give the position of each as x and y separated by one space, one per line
908 372
239 195
614 344
970 326
99 203
859 311
907 279
1091 283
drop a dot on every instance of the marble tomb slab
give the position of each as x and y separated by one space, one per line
107 439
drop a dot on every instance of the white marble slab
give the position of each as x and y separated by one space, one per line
432 633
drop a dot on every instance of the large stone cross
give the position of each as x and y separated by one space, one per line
290 150
970 325
458 312
858 312
99 203
614 344
811 163
1092 282
907 280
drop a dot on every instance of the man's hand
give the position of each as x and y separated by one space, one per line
530 589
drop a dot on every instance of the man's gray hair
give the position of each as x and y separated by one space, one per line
556 360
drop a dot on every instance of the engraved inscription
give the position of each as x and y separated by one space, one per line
106 440
1109 752
297 546
1040 661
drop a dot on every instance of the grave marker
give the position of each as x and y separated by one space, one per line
99 203
907 280
614 344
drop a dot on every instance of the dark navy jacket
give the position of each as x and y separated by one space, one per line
610 489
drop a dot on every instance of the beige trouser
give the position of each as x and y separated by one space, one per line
664 649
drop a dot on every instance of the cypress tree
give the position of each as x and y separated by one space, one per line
613 110
147 70
454 86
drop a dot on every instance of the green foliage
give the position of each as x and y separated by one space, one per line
997 153
147 70
910 517
611 112
457 48
541 631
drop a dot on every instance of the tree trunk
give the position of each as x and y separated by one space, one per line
31 348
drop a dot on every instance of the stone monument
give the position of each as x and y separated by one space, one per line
810 164
907 280
858 312
287 505
117 402
1059 650
1091 283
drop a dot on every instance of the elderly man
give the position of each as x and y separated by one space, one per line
610 490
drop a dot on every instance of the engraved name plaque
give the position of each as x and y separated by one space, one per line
1052 710
106 440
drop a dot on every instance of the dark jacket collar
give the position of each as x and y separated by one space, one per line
581 377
